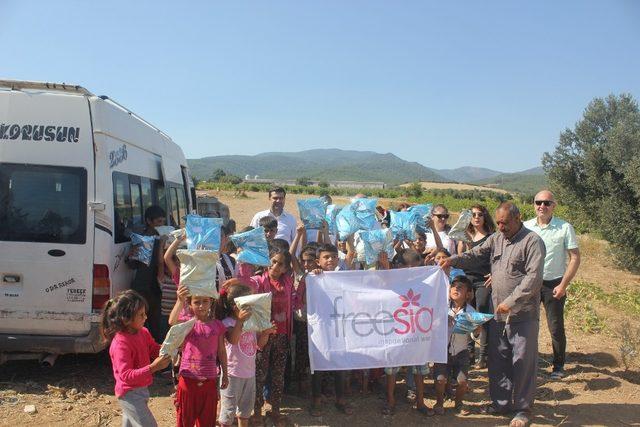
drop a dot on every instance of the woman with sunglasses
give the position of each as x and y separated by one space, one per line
439 216
479 230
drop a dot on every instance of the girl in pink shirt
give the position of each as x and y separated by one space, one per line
239 398
197 395
278 279
131 351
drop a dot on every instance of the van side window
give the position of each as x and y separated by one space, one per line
132 195
182 203
122 207
136 205
174 218
147 197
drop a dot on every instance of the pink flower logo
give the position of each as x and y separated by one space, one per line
410 299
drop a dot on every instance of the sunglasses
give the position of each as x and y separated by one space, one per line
544 202
441 216
477 214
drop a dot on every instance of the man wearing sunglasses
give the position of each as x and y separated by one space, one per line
560 266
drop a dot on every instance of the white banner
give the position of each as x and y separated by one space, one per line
376 319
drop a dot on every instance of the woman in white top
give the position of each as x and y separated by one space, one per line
439 216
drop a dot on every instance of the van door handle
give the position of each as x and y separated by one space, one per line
10 278
56 252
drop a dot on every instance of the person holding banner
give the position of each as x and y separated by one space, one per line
516 255
327 259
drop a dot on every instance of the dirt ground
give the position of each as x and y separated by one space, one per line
78 389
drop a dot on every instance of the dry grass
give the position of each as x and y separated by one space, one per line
428 185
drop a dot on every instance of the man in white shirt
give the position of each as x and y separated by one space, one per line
560 266
287 223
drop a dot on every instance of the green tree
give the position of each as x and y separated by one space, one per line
303 181
323 184
217 175
414 190
595 170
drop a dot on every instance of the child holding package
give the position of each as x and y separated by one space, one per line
197 395
327 259
239 397
457 366
131 351
407 259
272 359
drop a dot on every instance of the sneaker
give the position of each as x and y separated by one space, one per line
481 363
557 374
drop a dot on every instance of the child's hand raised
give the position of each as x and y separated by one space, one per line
183 293
272 330
300 229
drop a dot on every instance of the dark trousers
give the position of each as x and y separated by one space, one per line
339 378
513 364
554 308
482 303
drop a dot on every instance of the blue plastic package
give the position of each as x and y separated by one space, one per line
403 225
423 212
455 272
365 211
346 223
376 241
144 246
254 247
330 217
468 322
312 213
203 233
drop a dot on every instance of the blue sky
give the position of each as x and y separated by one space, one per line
447 84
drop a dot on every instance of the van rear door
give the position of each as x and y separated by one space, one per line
46 226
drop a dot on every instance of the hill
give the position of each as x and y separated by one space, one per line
467 174
322 164
526 182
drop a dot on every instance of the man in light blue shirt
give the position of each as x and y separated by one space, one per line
560 266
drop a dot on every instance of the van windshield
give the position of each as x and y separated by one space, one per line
43 203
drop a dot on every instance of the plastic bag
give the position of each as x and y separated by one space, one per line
468 322
203 233
164 230
330 217
260 305
174 339
254 247
458 231
365 211
376 241
312 213
198 271
346 223
144 248
455 272
424 213
403 225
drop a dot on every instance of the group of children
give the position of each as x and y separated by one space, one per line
244 367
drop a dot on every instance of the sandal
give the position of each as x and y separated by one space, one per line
345 408
491 410
520 420
425 411
461 409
